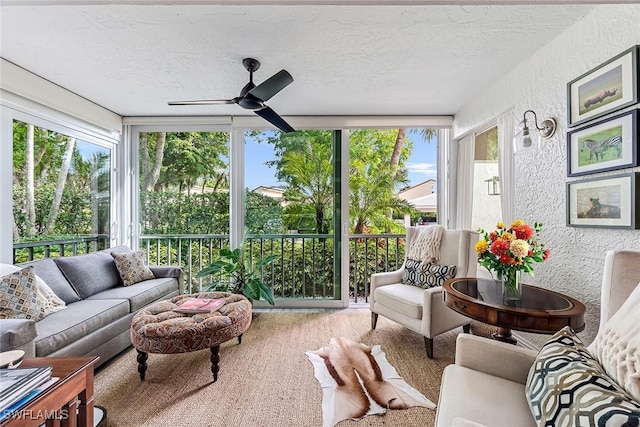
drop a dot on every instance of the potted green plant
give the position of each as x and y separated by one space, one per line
238 276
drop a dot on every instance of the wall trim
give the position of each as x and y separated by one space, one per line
25 84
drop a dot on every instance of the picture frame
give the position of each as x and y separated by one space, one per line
604 202
609 87
606 145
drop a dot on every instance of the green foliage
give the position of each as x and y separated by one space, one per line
371 198
84 207
180 213
243 277
304 268
74 217
299 217
189 158
373 255
263 214
309 171
208 213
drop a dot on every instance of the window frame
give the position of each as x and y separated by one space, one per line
44 117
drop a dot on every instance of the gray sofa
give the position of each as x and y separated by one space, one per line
99 308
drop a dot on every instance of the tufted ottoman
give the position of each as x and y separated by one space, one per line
160 330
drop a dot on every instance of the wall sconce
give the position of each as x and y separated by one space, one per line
493 189
528 138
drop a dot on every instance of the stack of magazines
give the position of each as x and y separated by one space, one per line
18 386
200 305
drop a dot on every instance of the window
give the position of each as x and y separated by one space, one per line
290 210
183 182
486 181
183 198
61 193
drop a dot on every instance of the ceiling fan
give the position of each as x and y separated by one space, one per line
253 97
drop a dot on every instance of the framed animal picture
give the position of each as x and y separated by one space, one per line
607 88
606 145
607 202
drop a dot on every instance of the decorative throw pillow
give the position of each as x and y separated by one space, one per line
617 345
412 272
47 299
566 386
131 267
426 275
18 298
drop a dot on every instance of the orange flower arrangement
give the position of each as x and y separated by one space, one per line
506 251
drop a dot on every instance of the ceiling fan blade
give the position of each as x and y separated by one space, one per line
272 117
274 84
205 102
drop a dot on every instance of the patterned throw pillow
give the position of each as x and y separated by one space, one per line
566 386
131 267
426 275
18 296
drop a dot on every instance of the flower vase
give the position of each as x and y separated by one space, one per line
511 287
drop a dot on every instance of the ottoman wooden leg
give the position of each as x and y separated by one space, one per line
215 361
142 363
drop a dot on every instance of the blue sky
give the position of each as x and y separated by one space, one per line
421 164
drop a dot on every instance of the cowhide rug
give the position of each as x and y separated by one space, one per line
357 380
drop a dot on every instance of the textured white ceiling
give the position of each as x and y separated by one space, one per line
345 60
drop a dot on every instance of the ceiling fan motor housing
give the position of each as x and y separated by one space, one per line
250 102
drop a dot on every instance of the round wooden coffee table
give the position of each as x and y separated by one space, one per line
160 330
539 310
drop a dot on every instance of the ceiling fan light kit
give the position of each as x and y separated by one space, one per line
253 97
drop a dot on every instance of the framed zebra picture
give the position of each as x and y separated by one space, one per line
606 145
609 87
607 202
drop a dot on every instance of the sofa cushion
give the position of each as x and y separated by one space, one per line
77 321
48 270
402 298
131 266
426 275
90 273
482 398
18 296
566 386
142 293
617 345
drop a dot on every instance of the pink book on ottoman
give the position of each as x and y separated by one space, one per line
200 305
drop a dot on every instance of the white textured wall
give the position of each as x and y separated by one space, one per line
539 83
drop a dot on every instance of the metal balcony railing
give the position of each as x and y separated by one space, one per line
303 269
76 245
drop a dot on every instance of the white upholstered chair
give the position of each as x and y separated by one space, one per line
423 310
486 385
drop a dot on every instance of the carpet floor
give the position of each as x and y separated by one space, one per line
267 380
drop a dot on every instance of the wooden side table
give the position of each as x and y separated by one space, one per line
539 310
57 405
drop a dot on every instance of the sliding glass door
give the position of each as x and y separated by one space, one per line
291 197
183 199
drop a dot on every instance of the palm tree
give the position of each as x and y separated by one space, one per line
62 180
311 180
372 197
426 134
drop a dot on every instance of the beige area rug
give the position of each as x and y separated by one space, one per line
267 380
357 380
